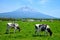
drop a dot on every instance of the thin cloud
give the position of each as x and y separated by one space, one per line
43 2
30 1
38 2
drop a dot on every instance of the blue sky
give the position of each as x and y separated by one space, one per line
49 7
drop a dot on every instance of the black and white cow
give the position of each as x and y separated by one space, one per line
12 25
43 27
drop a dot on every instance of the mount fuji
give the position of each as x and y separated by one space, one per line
24 12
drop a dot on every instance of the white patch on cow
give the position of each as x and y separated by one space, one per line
37 25
48 26
10 24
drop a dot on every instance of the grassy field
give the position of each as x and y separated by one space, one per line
27 31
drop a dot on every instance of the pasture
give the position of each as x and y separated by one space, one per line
28 32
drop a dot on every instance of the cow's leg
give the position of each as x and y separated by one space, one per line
46 32
37 31
15 29
7 30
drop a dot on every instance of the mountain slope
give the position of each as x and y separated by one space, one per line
25 12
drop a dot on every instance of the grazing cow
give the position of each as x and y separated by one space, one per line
12 25
43 27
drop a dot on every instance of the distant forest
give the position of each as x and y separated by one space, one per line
13 19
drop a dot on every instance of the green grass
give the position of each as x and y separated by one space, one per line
27 31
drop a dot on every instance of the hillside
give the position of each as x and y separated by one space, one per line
25 12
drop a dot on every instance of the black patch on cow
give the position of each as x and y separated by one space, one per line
43 28
18 29
13 24
49 31
40 26
36 27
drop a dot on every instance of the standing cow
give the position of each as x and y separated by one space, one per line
43 27
12 25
